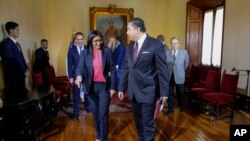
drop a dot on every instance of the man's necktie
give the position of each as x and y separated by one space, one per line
135 51
47 53
81 49
18 46
174 55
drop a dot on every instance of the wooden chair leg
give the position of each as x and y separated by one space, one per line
217 111
232 112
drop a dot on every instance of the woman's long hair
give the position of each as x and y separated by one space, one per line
91 36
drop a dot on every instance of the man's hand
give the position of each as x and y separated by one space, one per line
1 103
165 103
71 80
26 73
112 92
164 99
78 81
120 95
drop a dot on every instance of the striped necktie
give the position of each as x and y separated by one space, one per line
18 46
135 51
174 55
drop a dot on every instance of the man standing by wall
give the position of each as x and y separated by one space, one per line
14 65
181 59
42 59
161 38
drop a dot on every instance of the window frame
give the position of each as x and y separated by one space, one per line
214 10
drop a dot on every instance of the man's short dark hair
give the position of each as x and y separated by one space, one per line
138 22
117 37
10 25
161 38
79 33
44 40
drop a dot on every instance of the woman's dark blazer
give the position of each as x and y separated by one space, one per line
85 68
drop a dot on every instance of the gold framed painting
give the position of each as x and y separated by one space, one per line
111 21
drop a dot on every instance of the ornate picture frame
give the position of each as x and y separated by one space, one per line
111 21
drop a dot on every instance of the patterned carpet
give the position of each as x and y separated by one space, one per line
116 105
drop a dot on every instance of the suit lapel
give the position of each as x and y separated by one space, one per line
171 55
103 59
14 46
89 61
76 50
130 49
178 54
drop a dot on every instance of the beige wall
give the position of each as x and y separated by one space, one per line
236 47
55 20
176 20
31 16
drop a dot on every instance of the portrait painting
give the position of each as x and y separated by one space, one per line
111 22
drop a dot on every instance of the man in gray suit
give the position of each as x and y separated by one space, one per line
177 61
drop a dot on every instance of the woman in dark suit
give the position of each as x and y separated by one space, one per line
97 73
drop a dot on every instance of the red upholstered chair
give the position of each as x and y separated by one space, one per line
198 76
211 85
203 76
52 78
194 76
61 84
37 79
226 95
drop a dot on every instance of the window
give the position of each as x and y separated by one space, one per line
212 37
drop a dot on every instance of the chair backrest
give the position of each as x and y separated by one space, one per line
203 73
229 83
37 78
50 75
195 72
213 79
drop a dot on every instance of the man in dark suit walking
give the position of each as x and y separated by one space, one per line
118 58
14 65
144 72
161 38
72 64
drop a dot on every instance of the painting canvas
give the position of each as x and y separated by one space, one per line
111 22
111 26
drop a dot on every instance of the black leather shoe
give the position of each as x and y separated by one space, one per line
169 113
87 109
182 109
74 117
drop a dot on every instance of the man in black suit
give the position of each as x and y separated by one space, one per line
42 59
118 58
144 74
161 38
14 65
